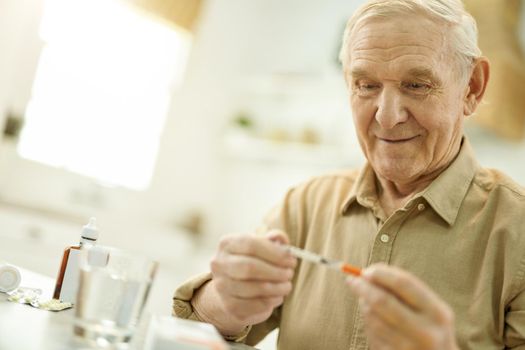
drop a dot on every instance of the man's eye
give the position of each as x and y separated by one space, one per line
414 86
364 88
367 86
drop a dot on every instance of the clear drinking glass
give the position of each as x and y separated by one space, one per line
113 289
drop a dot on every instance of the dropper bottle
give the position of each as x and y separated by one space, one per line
68 277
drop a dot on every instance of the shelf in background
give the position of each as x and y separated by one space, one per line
242 146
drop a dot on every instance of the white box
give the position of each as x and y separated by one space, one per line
171 333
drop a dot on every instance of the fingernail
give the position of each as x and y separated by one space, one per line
286 251
355 283
367 273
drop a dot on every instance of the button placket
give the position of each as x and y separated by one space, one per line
383 242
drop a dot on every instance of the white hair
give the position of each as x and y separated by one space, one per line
463 33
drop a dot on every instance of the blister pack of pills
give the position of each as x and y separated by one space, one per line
32 297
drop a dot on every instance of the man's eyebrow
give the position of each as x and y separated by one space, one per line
423 73
358 73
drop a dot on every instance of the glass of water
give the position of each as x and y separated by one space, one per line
113 289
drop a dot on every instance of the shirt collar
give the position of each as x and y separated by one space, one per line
445 194
364 190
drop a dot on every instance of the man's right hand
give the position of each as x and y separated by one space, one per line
251 276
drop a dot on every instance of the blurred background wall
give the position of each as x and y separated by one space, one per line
255 104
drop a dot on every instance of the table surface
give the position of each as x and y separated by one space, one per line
23 327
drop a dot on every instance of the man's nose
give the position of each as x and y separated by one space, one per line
390 108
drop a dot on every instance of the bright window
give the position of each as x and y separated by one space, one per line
102 90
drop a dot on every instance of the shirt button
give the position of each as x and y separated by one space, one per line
384 238
421 207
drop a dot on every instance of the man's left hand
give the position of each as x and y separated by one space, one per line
401 312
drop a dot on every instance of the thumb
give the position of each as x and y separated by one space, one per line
278 236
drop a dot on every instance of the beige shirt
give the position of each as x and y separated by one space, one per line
464 236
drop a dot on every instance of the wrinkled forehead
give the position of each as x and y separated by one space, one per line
418 23
398 41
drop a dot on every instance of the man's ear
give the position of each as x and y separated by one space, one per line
477 85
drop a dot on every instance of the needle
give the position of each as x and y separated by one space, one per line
317 259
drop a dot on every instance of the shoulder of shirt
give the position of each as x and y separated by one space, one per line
491 180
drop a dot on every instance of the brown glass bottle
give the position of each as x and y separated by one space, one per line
68 275
62 271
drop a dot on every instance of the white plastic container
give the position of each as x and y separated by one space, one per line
9 278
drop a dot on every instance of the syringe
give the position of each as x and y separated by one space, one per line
317 259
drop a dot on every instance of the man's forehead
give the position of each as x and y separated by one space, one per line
417 26
393 47
386 39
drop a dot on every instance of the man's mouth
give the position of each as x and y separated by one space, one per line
397 140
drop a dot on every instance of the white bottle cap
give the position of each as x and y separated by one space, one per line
90 231
9 278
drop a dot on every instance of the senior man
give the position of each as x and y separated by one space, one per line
442 239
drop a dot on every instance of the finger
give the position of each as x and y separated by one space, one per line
382 304
281 238
247 268
405 286
259 247
253 289
380 333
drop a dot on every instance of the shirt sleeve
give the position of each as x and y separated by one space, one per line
183 308
278 218
182 299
